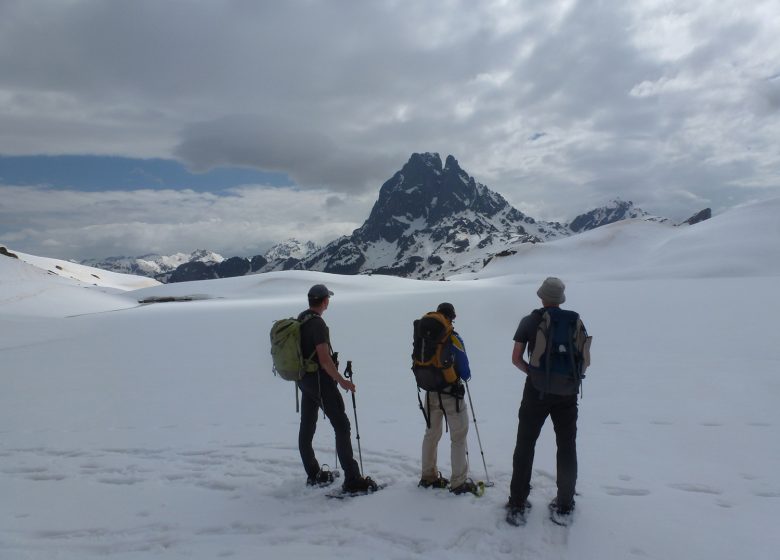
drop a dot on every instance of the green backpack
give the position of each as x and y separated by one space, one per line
286 353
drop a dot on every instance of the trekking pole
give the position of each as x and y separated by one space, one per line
348 374
335 358
479 440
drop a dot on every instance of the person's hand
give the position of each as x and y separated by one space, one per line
522 365
346 384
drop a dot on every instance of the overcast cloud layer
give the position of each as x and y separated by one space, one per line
559 106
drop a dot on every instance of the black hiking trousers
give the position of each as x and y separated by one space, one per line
319 388
534 410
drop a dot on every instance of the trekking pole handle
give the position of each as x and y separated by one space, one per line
348 370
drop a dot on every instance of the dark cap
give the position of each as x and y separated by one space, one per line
447 309
319 291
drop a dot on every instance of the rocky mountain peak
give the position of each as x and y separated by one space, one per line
423 191
290 248
615 211
430 220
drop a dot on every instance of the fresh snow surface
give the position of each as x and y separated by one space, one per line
158 431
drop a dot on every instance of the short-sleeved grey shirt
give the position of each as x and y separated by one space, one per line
526 330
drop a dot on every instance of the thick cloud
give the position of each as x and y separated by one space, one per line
560 106
246 221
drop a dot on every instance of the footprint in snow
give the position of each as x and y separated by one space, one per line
623 491
768 494
695 488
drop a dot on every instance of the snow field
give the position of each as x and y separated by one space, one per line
158 431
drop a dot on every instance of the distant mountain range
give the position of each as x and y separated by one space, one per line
429 221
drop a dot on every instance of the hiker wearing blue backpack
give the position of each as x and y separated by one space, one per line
444 403
558 353
319 389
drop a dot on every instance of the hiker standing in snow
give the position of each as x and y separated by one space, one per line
320 390
449 402
557 361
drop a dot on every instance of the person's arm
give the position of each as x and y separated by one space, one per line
461 358
327 365
517 357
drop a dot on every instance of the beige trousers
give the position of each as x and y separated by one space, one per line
459 428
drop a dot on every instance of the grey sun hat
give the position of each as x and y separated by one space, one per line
551 290
319 291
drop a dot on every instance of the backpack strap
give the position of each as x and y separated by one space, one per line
427 416
422 408
538 314
444 413
308 316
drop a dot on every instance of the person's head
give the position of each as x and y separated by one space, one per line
447 309
551 292
319 296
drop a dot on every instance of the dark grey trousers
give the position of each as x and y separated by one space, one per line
534 410
320 389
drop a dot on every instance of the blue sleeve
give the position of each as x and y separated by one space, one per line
461 359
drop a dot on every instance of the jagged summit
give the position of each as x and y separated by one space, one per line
428 221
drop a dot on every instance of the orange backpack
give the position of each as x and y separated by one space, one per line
432 360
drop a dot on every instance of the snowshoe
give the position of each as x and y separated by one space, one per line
324 477
516 515
440 482
359 487
469 487
561 514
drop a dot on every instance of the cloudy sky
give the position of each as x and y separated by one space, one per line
165 126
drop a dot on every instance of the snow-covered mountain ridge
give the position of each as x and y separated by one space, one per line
153 265
430 220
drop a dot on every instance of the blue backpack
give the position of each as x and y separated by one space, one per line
561 352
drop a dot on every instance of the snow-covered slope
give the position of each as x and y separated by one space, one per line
42 287
87 274
158 431
740 242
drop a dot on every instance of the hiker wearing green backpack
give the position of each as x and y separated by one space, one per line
441 374
558 354
319 389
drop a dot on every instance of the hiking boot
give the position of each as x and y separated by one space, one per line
323 478
515 514
561 513
439 482
466 487
561 509
360 484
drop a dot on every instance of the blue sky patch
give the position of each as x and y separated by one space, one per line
99 173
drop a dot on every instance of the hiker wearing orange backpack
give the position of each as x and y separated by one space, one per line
440 366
